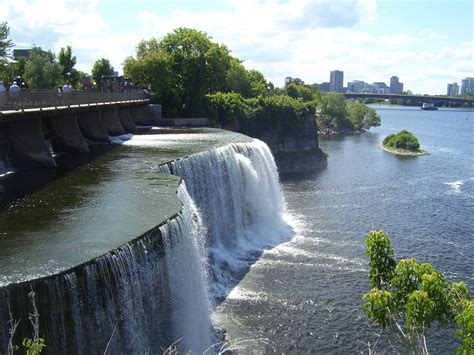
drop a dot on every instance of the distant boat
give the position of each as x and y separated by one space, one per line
428 106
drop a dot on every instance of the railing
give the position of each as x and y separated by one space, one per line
40 99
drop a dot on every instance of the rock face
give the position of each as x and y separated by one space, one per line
295 148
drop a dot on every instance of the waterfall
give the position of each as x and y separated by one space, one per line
154 290
151 291
237 190
182 238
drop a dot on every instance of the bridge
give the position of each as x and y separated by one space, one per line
424 98
37 126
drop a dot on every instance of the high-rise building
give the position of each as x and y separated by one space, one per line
356 86
336 82
453 89
323 87
467 86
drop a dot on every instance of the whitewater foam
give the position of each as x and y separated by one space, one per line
237 190
455 185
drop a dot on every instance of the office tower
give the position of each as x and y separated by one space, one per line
336 82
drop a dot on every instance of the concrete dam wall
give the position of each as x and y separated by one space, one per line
138 246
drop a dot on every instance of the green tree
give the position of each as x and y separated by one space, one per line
181 69
67 62
42 71
362 116
20 66
5 43
101 67
258 84
237 79
403 140
333 113
409 297
304 92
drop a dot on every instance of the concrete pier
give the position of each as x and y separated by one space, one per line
27 146
90 123
67 135
111 121
36 125
126 119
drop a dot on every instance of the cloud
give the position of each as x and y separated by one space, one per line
304 38
464 67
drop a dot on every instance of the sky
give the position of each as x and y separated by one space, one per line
427 43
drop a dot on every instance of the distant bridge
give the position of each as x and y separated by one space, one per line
423 98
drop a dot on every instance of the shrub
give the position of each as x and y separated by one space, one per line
402 140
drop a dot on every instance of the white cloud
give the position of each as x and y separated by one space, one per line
304 38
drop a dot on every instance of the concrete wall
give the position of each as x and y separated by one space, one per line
27 145
22 133
67 135
111 121
90 123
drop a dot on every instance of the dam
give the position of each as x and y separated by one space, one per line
131 251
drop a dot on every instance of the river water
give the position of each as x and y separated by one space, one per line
305 295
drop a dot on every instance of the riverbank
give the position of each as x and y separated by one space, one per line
402 152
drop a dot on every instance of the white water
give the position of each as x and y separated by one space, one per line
154 294
182 238
237 190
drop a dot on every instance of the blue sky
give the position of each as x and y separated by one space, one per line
425 43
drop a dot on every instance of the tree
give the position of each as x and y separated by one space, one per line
67 62
258 84
333 114
362 116
42 71
408 297
403 140
101 67
20 66
5 43
181 69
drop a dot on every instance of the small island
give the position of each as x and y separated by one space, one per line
402 143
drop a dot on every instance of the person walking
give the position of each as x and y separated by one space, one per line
2 88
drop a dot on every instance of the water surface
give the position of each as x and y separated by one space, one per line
305 295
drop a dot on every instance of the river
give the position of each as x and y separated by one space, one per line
305 295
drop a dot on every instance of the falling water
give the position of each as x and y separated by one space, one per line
237 190
153 291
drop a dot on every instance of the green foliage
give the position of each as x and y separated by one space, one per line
339 113
380 307
465 331
33 347
403 140
381 262
101 67
19 67
5 43
417 295
304 92
333 114
67 62
362 116
181 69
261 114
42 71
185 66
231 107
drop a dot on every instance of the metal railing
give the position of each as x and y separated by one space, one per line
38 99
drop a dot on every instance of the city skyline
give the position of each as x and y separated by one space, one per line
297 38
